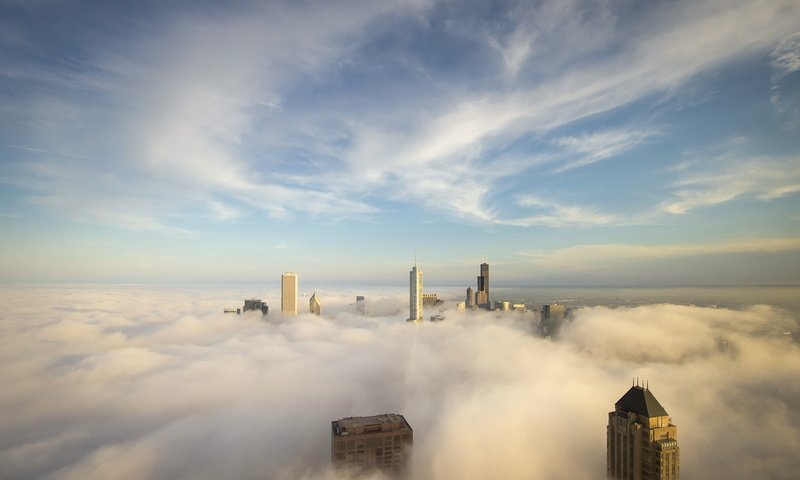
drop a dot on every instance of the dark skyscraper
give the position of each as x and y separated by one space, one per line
482 295
642 441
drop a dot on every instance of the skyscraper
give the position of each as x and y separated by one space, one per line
415 295
470 301
642 442
482 295
381 442
289 293
314 305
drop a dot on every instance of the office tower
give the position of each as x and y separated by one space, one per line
257 305
289 293
502 305
518 307
314 305
381 442
415 295
361 304
641 442
470 301
461 307
431 299
482 295
552 317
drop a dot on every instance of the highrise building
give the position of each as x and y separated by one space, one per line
289 293
470 301
642 442
415 295
314 305
552 317
381 442
482 295
256 304
361 304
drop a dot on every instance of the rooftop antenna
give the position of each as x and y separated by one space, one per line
631 381
648 384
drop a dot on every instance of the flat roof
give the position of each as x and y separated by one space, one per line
351 425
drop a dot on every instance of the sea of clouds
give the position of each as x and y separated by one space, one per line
149 382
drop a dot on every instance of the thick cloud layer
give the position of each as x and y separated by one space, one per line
129 382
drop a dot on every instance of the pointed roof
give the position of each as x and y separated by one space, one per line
641 401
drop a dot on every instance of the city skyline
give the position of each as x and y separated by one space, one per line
577 143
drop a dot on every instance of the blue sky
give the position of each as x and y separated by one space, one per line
574 143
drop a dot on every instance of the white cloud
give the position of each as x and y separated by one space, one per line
604 255
158 382
555 214
724 178
594 147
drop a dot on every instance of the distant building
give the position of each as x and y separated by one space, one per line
642 442
381 442
431 299
470 301
552 317
233 310
314 305
415 295
518 307
254 304
461 307
289 293
503 305
482 295
361 304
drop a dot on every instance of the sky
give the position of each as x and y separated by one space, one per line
156 382
571 142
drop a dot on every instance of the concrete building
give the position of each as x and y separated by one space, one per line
361 304
255 304
289 293
552 317
315 305
431 299
482 295
518 307
415 295
382 442
470 301
461 307
502 305
641 441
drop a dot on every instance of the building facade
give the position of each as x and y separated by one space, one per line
382 442
482 295
315 305
641 441
289 293
415 295
470 301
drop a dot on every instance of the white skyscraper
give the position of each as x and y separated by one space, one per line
289 293
415 294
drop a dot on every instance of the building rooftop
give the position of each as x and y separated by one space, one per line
641 401
385 422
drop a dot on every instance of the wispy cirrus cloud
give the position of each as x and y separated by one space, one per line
596 146
727 177
605 255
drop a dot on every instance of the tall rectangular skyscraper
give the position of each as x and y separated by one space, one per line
289 293
642 442
415 295
482 295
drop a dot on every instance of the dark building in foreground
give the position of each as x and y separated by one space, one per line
380 442
642 442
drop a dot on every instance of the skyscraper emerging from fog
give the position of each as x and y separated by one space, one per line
482 295
642 442
470 301
314 305
415 294
381 442
289 293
